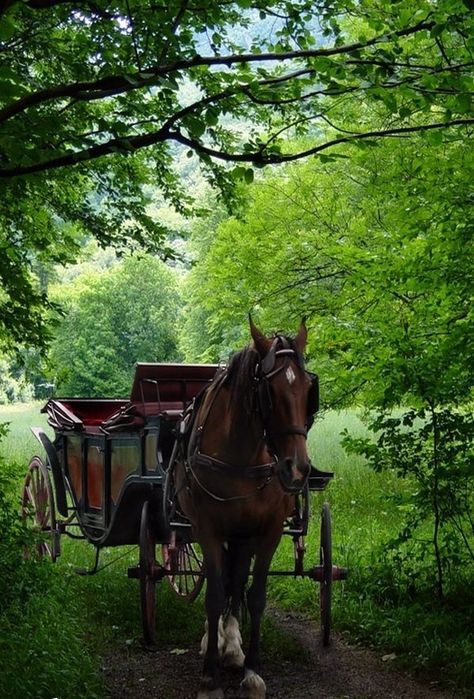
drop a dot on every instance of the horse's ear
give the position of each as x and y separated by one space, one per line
301 338
262 343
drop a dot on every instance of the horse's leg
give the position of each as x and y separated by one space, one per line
239 564
215 600
252 684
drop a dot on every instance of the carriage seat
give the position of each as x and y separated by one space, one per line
318 479
79 414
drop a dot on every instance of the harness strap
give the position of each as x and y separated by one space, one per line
222 467
213 464
291 429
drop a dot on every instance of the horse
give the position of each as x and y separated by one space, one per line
242 463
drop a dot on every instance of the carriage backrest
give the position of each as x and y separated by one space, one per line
172 386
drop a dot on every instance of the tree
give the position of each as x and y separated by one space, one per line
117 318
101 78
376 251
95 98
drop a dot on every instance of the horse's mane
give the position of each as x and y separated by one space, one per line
241 373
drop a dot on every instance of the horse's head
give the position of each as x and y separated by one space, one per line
285 395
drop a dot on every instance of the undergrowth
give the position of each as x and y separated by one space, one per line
56 626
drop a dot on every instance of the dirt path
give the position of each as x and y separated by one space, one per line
339 672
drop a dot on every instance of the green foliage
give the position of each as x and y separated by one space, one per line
39 625
373 252
114 319
42 642
96 102
13 387
434 449
12 531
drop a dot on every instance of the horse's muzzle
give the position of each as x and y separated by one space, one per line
292 475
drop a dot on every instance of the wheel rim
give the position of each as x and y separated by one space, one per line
38 506
186 559
325 559
147 576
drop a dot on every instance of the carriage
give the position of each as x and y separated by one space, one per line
105 477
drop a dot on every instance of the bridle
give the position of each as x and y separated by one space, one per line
265 371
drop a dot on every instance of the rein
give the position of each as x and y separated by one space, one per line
266 471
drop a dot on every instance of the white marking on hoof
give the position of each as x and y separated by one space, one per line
220 638
253 685
233 654
204 640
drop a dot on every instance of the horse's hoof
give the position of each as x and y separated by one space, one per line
220 639
211 694
207 691
234 659
252 686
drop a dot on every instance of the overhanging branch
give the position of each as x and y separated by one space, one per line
116 84
259 157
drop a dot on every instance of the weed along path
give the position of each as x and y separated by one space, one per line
338 672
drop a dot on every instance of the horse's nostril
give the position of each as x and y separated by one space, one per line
294 470
305 469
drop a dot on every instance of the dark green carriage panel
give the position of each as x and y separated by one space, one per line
73 464
125 461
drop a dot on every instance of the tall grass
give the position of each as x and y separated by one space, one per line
53 636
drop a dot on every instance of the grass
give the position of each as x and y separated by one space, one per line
53 635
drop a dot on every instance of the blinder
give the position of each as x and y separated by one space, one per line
313 399
268 362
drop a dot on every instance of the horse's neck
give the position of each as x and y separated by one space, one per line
234 432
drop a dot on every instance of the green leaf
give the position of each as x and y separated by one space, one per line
7 28
437 30
464 102
212 116
249 175
195 126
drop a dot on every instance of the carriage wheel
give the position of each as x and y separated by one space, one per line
148 576
325 560
186 566
38 505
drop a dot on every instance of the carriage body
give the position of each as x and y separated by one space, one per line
108 475
109 456
105 474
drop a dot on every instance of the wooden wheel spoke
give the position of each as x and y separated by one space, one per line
38 505
187 582
147 578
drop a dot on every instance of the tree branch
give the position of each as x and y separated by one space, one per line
260 158
150 76
131 143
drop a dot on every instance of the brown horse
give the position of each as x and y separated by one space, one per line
242 464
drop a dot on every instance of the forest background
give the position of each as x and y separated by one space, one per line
147 209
